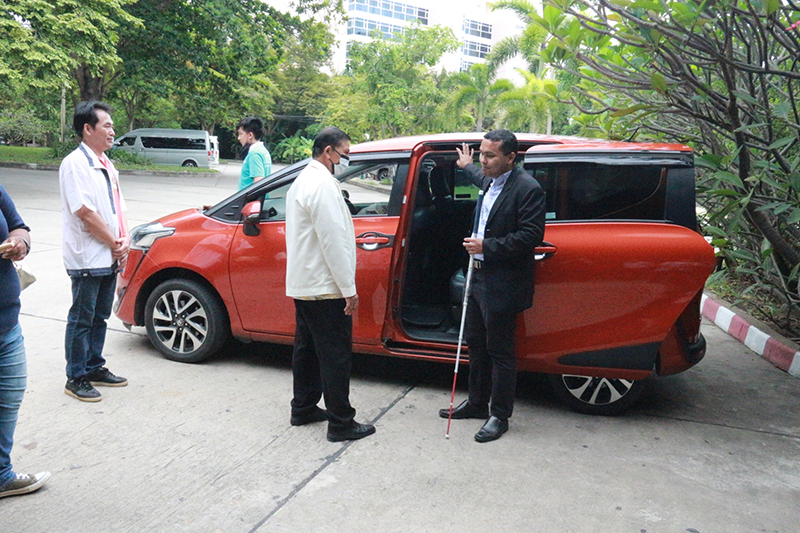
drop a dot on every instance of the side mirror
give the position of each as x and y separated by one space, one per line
251 215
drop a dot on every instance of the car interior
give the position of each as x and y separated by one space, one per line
444 203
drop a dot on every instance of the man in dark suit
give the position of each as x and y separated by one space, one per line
511 225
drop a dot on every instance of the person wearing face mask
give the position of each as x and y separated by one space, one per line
321 278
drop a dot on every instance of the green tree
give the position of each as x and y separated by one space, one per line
478 89
721 76
209 56
44 44
299 87
397 78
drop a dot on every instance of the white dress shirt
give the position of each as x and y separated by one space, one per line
488 201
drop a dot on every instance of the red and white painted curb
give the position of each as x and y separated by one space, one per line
785 357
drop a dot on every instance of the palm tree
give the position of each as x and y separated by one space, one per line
528 107
527 44
477 88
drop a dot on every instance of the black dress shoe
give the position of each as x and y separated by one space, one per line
354 432
318 415
493 429
465 410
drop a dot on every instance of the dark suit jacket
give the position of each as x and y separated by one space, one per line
515 227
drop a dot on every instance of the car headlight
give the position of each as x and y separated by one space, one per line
143 237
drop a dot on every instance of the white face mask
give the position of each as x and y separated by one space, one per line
343 163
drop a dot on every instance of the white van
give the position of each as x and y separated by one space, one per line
214 149
186 148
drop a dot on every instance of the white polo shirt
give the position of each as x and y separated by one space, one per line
84 181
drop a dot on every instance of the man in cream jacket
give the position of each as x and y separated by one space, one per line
321 277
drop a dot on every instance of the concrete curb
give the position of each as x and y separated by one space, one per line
28 166
776 349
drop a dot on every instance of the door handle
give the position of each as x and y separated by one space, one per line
372 240
545 251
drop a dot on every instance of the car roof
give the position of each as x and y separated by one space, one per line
542 143
167 131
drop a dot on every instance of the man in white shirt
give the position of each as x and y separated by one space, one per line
321 277
95 246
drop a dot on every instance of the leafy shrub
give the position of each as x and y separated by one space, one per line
293 149
61 149
20 125
122 156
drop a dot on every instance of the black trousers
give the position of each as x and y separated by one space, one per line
322 359
492 361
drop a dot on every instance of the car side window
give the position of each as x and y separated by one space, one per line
586 191
373 188
174 143
273 206
126 141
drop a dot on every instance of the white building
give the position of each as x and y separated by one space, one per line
473 22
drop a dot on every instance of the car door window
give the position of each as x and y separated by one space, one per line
372 188
273 206
587 191
369 189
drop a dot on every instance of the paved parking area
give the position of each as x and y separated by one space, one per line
207 448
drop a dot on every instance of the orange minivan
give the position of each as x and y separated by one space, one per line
617 286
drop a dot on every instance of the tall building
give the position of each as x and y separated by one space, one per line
477 27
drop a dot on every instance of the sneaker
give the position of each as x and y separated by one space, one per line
24 484
81 389
103 376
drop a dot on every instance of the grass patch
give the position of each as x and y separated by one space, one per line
44 156
23 154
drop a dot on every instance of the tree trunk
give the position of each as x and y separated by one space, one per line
479 120
92 87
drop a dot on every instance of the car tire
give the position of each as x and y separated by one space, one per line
189 163
185 321
596 396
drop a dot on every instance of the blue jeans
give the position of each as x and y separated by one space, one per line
92 298
13 377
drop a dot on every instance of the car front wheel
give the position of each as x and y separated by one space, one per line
596 396
188 163
185 321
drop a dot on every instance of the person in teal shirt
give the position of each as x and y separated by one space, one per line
257 163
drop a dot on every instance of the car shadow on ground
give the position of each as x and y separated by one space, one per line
531 388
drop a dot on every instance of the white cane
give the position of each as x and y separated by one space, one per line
467 284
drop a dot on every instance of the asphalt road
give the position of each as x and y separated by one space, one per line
208 448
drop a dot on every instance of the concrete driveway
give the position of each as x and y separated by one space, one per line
207 448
